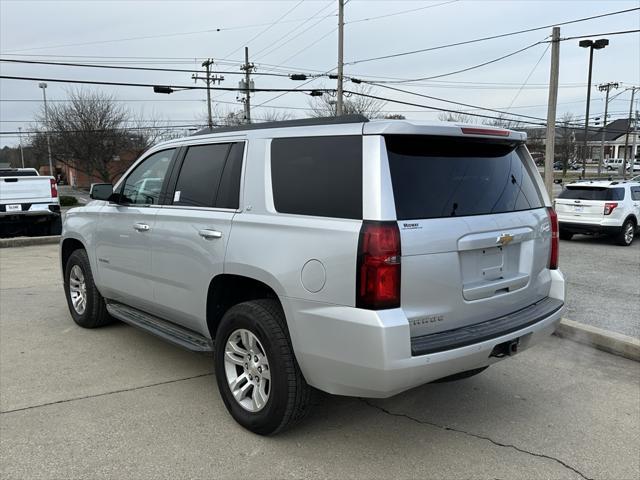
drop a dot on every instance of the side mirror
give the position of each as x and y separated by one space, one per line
558 181
101 191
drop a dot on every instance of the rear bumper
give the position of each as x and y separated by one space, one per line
589 228
349 351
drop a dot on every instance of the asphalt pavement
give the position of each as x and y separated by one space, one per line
118 403
603 283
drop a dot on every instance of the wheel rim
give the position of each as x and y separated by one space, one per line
628 233
77 290
247 369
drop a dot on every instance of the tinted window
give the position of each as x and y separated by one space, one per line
436 177
319 176
635 193
592 193
144 184
18 173
229 191
200 175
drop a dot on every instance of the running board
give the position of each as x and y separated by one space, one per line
183 337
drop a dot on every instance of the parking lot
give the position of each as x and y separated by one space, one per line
119 403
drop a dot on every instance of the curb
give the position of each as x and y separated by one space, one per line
600 339
28 241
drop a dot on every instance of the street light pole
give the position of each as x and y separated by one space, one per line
20 140
339 92
43 86
591 45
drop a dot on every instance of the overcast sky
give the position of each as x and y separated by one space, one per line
89 31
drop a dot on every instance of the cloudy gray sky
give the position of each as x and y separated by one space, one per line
180 34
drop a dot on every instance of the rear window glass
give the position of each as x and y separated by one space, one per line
436 177
319 176
18 173
592 193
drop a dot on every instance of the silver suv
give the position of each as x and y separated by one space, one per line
360 258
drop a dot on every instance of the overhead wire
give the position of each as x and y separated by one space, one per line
491 37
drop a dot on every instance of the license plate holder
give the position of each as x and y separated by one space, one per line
15 207
578 208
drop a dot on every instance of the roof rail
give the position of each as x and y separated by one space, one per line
304 122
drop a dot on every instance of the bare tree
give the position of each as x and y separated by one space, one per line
275 116
394 116
354 103
91 131
456 117
503 122
566 141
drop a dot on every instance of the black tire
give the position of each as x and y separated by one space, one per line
564 235
55 226
95 312
622 238
461 376
289 395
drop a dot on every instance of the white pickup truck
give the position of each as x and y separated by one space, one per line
28 203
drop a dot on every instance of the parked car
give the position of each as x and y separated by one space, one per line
360 258
600 207
613 163
570 166
28 203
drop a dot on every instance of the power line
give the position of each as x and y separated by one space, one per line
501 112
151 85
526 80
120 67
473 67
619 32
400 13
491 37
261 32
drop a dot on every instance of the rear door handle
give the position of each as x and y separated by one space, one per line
141 227
210 234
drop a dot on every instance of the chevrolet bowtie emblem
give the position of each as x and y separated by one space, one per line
504 239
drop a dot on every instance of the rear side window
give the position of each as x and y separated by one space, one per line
210 176
635 193
319 176
436 177
592 193
18 173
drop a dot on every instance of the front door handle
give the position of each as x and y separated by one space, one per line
141 227
210 234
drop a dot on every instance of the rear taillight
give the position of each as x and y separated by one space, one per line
553 255
609 207
378 274
54 188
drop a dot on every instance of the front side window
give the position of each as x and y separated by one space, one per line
144 184
319 176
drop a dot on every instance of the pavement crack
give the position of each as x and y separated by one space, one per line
475 435
132 389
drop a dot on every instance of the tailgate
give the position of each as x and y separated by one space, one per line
579 210
474 230
25 190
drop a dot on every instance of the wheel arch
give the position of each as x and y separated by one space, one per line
228 289
67 247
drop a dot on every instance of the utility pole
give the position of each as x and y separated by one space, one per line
208 79
626 140
551 111
604 87
633 144
247 85
20 140
339 108
43 86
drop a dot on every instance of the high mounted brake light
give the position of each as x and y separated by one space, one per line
378 272
485 131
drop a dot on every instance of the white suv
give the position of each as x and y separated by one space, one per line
360 258
606 207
